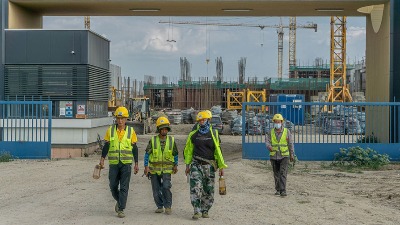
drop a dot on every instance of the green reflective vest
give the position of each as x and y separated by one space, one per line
281 146
120 150
161 161
189 148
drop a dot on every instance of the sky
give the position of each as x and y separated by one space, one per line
140 46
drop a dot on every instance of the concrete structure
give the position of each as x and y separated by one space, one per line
383 24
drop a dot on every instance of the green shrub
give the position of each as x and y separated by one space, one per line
5 156
368 139
359 157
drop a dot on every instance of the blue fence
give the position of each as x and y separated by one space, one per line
325 128
25 129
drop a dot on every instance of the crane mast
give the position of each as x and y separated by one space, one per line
338 89
87 22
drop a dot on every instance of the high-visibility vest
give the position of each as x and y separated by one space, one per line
189 148
281 146
120 150
161 161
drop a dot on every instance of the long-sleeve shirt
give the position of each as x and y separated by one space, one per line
149 150
289 139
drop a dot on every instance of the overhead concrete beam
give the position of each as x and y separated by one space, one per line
23 18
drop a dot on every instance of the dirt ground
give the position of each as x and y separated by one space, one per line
64 192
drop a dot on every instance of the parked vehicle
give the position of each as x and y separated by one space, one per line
216 123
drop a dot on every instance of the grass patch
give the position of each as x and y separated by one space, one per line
5 157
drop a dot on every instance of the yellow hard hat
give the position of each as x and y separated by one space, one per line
209 112
121 112
277 117
162 122
203 115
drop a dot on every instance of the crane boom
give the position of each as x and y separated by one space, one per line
292 35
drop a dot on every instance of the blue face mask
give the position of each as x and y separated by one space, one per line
277 125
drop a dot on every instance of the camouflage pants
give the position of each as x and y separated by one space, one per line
202 187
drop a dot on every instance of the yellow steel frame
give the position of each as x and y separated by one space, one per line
256 96
235 99
338 89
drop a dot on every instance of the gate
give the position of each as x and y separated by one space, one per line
25 129
319 130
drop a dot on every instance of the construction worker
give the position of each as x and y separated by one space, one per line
121 148
279 142
203 157
161 160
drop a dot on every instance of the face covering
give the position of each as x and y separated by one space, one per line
277 125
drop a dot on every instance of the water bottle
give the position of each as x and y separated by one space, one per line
96 172
222 187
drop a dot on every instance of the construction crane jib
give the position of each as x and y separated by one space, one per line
292 35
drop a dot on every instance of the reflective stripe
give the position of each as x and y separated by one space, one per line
170 142
162 163
114 127
112 158
129 132
126 151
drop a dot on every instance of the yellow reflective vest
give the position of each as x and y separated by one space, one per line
281 146
120 150
161 161
189 148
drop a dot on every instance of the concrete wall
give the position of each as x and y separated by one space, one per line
78 131
77 137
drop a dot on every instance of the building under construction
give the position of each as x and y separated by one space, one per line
204 94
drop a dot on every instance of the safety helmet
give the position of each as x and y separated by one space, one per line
121 112
209 112
277 117
203 115
162 122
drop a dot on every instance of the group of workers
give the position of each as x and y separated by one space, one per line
202 156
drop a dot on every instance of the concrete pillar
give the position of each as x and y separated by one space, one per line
378 58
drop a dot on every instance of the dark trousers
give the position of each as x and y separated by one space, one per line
161 185
280 173
120 175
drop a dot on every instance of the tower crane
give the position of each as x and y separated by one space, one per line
338 87
87 22
292 35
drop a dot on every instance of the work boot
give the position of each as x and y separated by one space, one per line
277 193
205 215
168 211
196 216
121 214
159 210
283 194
